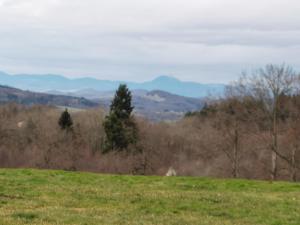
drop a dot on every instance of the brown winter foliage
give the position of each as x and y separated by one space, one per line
250 133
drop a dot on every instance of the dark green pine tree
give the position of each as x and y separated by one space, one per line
119 125
121 104
65 121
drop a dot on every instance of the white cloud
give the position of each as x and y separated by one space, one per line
140 39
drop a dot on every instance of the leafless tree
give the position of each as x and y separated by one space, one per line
267 85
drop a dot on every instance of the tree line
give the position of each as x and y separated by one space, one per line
250 132
264 103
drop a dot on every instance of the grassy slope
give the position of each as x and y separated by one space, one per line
55 197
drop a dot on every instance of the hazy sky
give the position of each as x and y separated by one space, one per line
200 40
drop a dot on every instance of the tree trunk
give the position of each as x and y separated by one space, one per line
274 166
274 144
235 152
293 165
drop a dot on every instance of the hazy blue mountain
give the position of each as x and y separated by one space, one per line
46 83
188 89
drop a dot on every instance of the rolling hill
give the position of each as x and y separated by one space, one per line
9 94
161 105
154 105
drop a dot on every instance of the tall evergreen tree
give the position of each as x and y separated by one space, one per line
65 121
119 125
121 104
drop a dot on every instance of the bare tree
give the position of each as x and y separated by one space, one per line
291 141
267 85
231 121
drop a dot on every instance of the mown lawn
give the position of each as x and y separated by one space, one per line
56 197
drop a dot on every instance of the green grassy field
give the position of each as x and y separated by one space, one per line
55 197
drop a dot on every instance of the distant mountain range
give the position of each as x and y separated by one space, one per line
164 98
52 83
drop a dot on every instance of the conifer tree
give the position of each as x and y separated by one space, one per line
65 121
119 125
121 104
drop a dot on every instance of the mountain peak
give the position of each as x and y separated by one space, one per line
166 79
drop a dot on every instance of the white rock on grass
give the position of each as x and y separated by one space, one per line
21 124
171 172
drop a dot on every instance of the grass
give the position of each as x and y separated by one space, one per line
56 197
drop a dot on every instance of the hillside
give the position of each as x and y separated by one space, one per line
55 197
44 83
9 94
155 105
161 105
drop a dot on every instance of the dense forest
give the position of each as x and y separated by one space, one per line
251 132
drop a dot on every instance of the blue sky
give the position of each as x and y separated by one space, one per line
197 40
